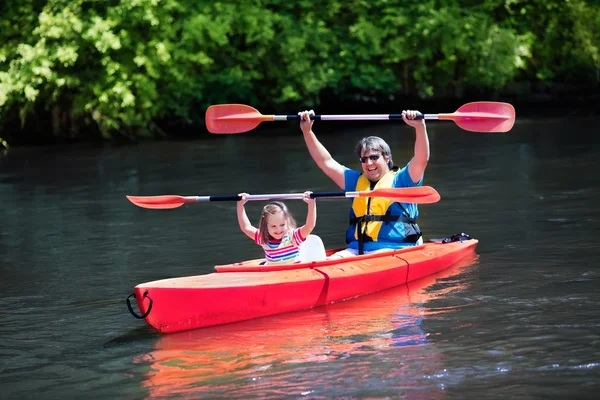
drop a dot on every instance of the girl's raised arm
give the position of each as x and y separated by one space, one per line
311 216
243 220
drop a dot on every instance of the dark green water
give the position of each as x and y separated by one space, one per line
521 321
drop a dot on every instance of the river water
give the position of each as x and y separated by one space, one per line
519 320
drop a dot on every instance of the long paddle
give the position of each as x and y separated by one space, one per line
481 116
416 195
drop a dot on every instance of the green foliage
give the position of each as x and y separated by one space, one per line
119 66
565 37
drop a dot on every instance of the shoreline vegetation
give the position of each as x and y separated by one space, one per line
133 70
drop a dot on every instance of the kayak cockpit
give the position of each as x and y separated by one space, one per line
258 265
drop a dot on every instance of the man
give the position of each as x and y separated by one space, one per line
375 223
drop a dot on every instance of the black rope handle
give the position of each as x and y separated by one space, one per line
131 308
457 237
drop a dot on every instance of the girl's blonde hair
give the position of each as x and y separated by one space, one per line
272 208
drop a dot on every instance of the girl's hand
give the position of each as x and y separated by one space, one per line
409 117
305 122
306 197
243 199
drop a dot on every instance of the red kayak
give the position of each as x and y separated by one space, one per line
187 363
248 290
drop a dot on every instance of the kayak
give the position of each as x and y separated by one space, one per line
249 289
189 363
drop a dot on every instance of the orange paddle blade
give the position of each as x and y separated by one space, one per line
483 116
233 118
158 202
417 195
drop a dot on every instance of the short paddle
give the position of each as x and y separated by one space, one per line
481 116
415 195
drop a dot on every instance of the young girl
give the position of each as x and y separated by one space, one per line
277 233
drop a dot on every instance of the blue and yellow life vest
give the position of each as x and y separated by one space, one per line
376 219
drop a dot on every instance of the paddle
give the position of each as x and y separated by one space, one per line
481 116
416 195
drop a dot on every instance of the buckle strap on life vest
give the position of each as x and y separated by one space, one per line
362 233
384 218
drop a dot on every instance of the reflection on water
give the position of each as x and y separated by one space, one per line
301 353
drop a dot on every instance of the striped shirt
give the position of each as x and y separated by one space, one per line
285 250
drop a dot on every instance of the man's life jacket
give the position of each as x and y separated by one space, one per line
381 220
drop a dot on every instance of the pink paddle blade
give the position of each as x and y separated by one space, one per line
157 202
483 116
233 118
417 195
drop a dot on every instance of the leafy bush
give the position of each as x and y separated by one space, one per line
117 67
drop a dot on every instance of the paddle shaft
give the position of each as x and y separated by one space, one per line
355 117
286 196
395 117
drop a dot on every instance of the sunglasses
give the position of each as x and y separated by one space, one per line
372 157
